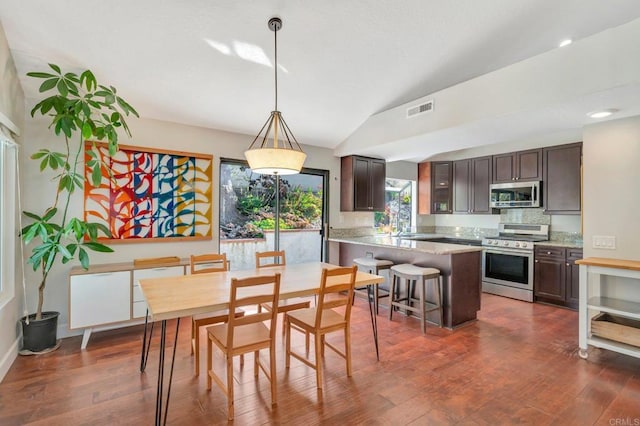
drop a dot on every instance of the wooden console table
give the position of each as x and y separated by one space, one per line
591 302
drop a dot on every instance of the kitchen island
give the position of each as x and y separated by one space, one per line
460 266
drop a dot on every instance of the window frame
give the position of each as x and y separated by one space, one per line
8 222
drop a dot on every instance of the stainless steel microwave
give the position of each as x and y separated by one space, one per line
516 194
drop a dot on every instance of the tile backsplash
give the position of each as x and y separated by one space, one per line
562 228
533 216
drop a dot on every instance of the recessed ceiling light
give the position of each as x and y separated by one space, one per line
602 113
566 42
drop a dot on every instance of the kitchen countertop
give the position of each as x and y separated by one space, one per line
407 244
567 244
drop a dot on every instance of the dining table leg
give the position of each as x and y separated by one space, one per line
374 320
161 417
144 356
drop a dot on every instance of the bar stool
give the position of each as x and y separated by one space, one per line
419 275
372 266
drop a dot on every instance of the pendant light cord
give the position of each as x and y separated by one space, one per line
275 42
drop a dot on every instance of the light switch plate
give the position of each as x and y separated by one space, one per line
604 242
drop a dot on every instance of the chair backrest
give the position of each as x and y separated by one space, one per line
203 263
252 291
277 258
336 289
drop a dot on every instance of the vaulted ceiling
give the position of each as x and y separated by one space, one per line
210 63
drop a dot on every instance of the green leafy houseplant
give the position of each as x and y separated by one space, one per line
80 109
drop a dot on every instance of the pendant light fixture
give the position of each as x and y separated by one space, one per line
275 151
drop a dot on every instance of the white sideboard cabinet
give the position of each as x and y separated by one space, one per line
108 295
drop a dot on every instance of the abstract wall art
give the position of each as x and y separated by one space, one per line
150 194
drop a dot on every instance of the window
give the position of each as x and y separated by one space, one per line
400 207
8 157
250 204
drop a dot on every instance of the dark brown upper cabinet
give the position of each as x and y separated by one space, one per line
561 182
471 180
461 186
435 187
362 184
518 166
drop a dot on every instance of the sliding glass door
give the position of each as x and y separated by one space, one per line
263 212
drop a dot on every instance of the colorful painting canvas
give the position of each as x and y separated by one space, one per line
151 194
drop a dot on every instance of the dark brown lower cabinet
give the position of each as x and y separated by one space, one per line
573 277
555 275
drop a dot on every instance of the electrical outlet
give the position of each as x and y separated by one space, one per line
368 254
604 242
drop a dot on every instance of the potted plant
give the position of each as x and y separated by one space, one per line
80 109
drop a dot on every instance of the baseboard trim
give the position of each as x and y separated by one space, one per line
63 331
9 357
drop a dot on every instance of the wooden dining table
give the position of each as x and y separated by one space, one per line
175 297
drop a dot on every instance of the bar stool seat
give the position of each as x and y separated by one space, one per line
372 266
419 275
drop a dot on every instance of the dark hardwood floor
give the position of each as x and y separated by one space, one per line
517 364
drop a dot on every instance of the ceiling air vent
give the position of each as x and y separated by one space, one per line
420 109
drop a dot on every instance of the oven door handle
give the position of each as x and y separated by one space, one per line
509 251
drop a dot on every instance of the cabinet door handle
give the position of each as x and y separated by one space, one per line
568 264
548 252
537 261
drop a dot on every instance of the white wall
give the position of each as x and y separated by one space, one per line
611 159
39 193
11 109
612 186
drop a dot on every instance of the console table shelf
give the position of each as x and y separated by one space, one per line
615 306
591 302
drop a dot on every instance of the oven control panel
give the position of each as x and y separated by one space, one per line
526 245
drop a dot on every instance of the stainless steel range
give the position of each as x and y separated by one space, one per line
507 260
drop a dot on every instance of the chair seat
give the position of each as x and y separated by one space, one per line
372 262
244 335
288 305
418 271
307 318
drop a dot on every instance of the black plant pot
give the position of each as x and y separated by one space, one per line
40 335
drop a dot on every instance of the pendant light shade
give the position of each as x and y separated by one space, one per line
275 151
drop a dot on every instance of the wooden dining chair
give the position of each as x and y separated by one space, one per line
278 258
201 264
240 335
336 291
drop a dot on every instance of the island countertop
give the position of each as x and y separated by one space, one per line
408 244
